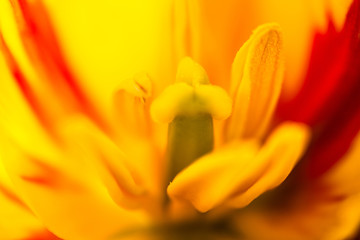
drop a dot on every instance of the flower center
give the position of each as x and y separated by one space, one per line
189 106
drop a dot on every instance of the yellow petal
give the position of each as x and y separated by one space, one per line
240 172
17 221
131 106
212 178
129 179
348 217
281 152
124 38
257 76
344 178
62 184
339 9
47 176
20 123
186 27
131 115
37 67
209 32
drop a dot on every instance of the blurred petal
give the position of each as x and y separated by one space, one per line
338 10
130 173
110 41
344 177
299 21
282 150
21 122
203 32
348 215
186 34
17 221
131 106
326 208
240 172
34 55
212 178
308 218
326 100
61 184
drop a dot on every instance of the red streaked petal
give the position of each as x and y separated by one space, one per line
24 86
338 133
334 142
44 50
328 100
327 64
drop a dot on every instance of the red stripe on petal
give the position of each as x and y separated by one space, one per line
327 64
338 133
329 98
13 197
332 145
43 47
25 87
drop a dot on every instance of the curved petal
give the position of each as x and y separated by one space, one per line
284 148
37 64
67 199
129 171
17 220
240 172
327 97
326 208
344 178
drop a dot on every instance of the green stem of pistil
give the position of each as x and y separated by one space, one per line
189 137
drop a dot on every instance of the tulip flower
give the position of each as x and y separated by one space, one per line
179 120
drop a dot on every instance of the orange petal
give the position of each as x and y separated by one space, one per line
239 172
64 192
282 151
257 76
130 179
17 220
344 178
131 106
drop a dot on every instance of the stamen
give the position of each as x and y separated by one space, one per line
131 105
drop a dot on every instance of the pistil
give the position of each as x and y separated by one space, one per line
189 106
